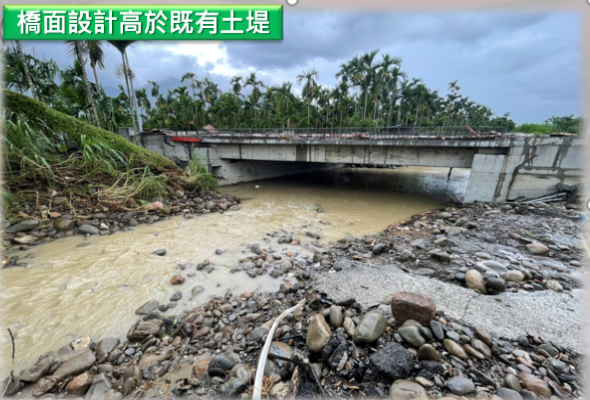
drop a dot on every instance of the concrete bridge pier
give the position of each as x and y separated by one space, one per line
525 169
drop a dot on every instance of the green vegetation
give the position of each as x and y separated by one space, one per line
46 150
568 124
370 92
199 176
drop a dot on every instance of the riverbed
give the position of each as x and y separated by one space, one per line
77 287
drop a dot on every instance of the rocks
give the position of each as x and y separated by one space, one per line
220 366
556 366
437 330
318 333
460 386
534 384
336 316
11 386
427 352
177 296
513 276
147 307
402 389
537 249
512 382
64 224
107 345
197 290
493 266
475 281
481 347
496 285
88 229
411 335
35 373
370 327
416 306
392 361
80 384
455 349
177 280
100 386
378 248
234 387
75 365
26 239
508 394
406 255
144 329
23 226
552 351
349 326
554 285
160 252
257 334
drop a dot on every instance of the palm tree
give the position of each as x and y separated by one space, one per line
256 93
96 56
155 88
122 45
194 82
309 87
142 100
369 73
284 100
236 82
77 49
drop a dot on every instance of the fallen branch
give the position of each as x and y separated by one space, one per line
264 353
11 379
471 131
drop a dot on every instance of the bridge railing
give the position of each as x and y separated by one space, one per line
374 133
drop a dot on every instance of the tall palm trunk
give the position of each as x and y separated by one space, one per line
417 109
94 114
99 87
21 53
133 94
125 72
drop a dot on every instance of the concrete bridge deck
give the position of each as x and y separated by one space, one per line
504 167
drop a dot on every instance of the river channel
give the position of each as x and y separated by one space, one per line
77 287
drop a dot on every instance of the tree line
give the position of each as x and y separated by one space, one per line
371 91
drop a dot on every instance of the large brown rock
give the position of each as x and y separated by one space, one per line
534 384
80 384
416 306
177 280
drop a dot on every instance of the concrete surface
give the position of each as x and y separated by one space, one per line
503 169
547 314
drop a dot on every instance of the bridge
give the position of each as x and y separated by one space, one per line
504 167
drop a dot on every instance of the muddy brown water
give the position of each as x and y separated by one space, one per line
67 291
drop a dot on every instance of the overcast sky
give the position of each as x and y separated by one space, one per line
528 64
